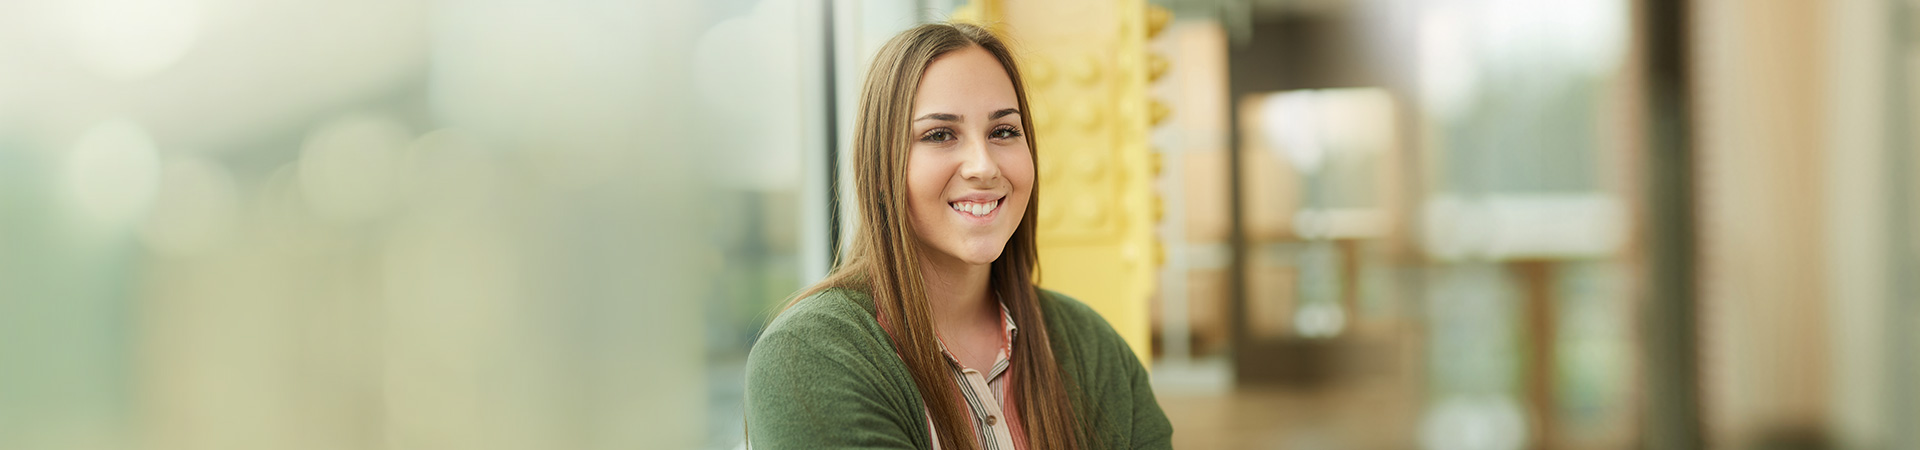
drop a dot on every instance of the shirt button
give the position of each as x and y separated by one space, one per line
992 419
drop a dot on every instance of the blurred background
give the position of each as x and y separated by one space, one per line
1328 224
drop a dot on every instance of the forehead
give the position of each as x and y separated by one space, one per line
964 81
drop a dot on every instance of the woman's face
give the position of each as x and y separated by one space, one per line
969 173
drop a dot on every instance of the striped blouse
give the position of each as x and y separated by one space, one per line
995 422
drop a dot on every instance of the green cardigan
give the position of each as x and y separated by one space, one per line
824 375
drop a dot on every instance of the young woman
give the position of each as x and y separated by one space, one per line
932 333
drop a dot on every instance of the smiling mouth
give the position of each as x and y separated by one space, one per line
976 209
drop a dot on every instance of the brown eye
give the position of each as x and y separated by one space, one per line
1005 133
938 136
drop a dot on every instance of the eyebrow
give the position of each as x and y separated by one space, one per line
945 117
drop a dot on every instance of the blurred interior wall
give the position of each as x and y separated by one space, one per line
1857 52
1758 85
358 224
1791 99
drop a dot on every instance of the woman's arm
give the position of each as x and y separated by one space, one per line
1151 429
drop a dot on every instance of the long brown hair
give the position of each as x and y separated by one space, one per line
883 260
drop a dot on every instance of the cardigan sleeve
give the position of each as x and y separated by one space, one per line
1151 429
812 382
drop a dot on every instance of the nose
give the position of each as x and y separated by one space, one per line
977 163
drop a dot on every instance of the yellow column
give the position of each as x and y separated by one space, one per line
1087 70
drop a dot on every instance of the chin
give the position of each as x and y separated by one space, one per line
982 257
981 253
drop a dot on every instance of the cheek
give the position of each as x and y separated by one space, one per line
1019 170
926 182
1024 168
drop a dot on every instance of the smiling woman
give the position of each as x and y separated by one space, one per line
932 334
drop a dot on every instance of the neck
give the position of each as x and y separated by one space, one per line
957 292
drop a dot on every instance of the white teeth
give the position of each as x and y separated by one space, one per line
976 209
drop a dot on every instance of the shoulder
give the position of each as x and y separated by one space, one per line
1055 301
1081 337
834 310
833 319
1075 320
